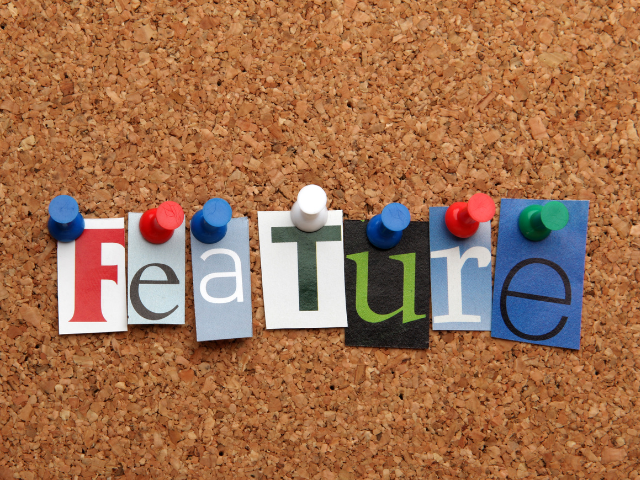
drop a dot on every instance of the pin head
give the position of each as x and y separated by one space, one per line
312 199
63 209
170 215
536 222
217 212
395 217
554 215
481 207
157 225
65 222
310 213
463 219
209 225
384 231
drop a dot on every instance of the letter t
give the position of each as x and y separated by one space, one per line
307 258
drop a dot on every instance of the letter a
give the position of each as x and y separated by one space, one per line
454 280
408 289
237 295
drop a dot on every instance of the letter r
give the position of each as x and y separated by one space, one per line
454 280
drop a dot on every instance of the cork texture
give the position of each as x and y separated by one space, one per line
124 104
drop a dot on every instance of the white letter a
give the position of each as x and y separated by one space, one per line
237 274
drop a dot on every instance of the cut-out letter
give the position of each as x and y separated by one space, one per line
307 258
455 262
156 304
237 273
221 275
92 288
90 272
540 298
408 289
134 290
538 288
302 272
387 291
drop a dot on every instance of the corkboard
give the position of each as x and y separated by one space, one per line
123 104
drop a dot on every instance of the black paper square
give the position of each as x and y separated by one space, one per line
385 288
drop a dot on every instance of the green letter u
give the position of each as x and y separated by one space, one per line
408 288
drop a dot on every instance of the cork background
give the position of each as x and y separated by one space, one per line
126 103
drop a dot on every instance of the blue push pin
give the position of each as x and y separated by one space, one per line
209 225
65 220
385 230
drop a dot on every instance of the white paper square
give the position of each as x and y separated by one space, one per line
113 295
280 277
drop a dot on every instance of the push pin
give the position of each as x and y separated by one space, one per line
65 220
536 222
310 213
385 229
209 225
463 219
157 225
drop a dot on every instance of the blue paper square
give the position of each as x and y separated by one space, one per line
221 271
538 289
156 277
469 286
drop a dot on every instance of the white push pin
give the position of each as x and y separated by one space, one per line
310 213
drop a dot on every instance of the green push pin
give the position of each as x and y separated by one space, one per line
537 221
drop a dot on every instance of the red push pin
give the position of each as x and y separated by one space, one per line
157 225
463 219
